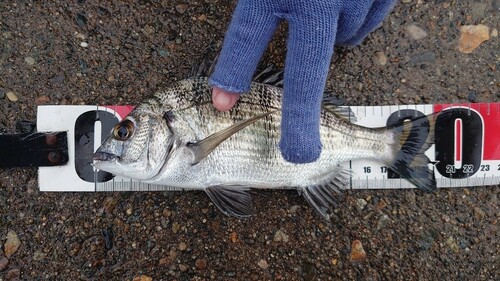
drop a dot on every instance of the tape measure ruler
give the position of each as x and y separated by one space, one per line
466 151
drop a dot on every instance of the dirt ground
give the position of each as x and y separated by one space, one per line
118 52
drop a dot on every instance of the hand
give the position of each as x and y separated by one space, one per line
315 26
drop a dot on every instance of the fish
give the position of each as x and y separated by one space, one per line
178 139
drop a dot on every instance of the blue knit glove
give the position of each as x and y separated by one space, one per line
315 26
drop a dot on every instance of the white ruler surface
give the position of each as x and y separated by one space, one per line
466 153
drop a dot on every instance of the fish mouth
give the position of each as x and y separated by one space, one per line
104 156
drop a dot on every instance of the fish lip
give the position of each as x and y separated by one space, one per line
104 156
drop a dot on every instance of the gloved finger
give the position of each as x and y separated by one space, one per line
309 52
251 28
223 100
369 22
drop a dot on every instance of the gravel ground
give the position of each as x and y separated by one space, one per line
111 52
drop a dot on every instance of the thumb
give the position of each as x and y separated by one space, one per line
223 100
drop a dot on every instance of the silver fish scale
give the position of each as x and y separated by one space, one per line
251 157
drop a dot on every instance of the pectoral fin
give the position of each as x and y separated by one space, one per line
204 147
231 200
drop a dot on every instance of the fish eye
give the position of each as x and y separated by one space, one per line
123 130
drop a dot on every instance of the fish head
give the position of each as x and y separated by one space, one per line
137 147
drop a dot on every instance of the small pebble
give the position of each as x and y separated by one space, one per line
424 57
12 97
361 204
84 44
183 267
494 32
309 272
3 263
166 212
294 208
12 274
452 244
182 246
2 93
38 255
129 211
143 278
234 237
29 60
181 8
478 213
42 100
471 36
334 262
280 236
176 227
382 221
200 264
12 243
380 58
263 264
472 96
109 204
357 251
80 36
416 32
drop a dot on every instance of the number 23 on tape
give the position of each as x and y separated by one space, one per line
466 150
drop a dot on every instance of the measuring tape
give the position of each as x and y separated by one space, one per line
466 150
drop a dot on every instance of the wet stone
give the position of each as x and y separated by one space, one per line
361 204
452 244
182 246
472 96
424 57
143 278
81 20
200 264
478 213
13 274
12 243
416 32
263 264
357 251
280 236
471 36
2 93
3 263
382 221
42 100
308 271
183 267
380 58
12 96
181 8
29 60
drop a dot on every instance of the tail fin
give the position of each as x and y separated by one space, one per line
410 162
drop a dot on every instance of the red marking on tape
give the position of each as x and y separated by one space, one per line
490 112
458 140
121 110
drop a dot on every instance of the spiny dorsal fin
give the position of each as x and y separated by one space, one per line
332 104
232 200
204 147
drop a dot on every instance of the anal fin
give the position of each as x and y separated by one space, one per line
232 200
322 196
